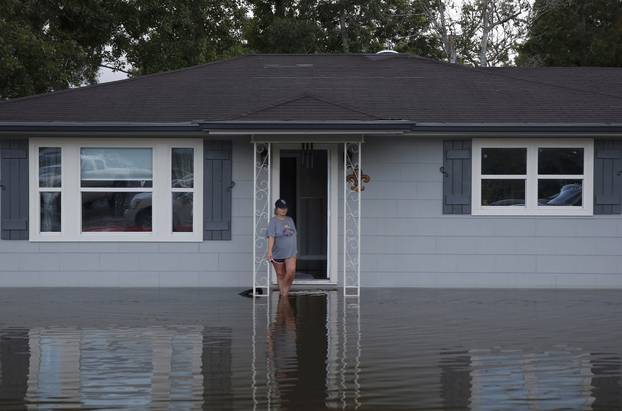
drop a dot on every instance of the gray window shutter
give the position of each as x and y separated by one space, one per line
14 186
456 177
217 187
607 176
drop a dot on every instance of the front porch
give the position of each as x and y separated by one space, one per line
322 181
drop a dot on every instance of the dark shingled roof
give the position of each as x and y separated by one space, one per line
359 87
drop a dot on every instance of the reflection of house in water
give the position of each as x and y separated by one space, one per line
217 369
513 380
313 352
299 350
14 361
133 367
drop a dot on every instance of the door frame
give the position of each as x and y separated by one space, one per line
332 205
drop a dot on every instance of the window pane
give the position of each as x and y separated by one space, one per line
116 167
183 167
560 192
560 161
182 212
503 192
116 211
49 167
504 161
50 212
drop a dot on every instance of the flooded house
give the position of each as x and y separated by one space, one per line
400 171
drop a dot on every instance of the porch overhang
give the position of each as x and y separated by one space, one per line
316 127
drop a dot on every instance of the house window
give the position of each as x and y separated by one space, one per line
532 177
116 187
182 186
116 190
49 189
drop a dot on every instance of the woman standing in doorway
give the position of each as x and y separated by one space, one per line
282 248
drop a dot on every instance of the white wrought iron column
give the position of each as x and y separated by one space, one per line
352 187
261 216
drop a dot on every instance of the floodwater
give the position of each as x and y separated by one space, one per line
392 349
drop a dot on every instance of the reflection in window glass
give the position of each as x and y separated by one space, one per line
182 212
50 212
49 167
116 167
560 161
183 167
116 211
504 161
503 192
556 192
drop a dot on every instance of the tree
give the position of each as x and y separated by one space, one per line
159 35
481 32
574 33
51 45
330 26
283 26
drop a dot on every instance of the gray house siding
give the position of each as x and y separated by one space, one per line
406 240
105 264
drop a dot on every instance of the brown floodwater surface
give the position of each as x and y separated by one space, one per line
392 349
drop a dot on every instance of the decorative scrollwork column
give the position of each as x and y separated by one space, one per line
352 188
261 214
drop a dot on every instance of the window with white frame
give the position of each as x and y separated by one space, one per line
49 189
115 190
532 177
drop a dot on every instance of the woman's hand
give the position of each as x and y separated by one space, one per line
269 256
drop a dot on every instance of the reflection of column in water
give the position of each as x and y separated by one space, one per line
260 387
332 353
351 353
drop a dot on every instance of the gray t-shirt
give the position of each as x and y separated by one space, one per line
284 233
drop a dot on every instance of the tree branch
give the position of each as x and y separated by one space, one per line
114 68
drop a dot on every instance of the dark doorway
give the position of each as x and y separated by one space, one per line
304 185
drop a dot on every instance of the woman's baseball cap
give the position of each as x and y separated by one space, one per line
280 203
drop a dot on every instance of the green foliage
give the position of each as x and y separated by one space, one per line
321 26
574 33
50 44
159 35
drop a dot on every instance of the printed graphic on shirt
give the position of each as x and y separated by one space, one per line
288 230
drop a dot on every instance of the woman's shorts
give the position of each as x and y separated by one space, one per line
278 260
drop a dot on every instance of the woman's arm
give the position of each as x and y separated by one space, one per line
270 245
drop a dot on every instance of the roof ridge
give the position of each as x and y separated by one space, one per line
299 97
125 80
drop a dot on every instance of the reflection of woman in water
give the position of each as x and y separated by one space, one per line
282 248
282 348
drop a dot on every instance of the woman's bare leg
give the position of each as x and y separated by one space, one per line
280 275
290 272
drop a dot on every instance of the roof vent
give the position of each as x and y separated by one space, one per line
387 51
